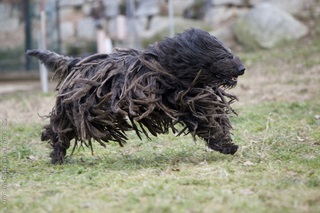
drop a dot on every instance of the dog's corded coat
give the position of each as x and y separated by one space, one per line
178 80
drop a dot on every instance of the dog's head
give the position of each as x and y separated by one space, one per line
194 51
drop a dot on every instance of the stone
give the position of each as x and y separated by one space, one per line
225 34
179 6
147 7
64 3
4 11
112 8
67 30
219 14
159 25
67 13
86 9
290 6
266 26
9 25
85 28
227 2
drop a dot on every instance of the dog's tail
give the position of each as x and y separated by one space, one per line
60 65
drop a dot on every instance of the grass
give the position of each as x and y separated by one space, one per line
276 169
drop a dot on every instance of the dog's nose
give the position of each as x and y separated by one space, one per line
241 69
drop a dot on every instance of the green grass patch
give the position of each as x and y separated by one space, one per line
275 170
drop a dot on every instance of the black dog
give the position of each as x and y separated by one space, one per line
178 80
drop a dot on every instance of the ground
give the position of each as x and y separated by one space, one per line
275 170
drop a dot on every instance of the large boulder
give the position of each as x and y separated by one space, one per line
290 6
86 28
228 2
219 15
266 26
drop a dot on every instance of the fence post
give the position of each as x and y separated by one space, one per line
28 35
43 46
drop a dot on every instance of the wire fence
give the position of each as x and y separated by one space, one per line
19 31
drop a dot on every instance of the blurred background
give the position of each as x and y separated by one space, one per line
278 128
84 27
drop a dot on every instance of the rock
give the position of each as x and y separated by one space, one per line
225 34
112 8
228 2
179 6
63 3
68 13
5 9
290 6
9 25
160 24
86 8
67 30
220 14
147 7
266 26
86 28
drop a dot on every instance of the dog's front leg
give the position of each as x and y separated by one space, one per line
220 137
215 131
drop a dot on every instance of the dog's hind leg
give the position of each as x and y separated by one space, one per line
59 142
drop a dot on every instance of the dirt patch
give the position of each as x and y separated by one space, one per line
23 102
26 107
258 86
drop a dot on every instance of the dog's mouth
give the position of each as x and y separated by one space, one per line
230 81
234 79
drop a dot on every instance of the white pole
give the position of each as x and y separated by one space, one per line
42 45
171 18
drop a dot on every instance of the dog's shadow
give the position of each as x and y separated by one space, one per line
147 155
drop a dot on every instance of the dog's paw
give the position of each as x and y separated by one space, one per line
228 149
57 155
